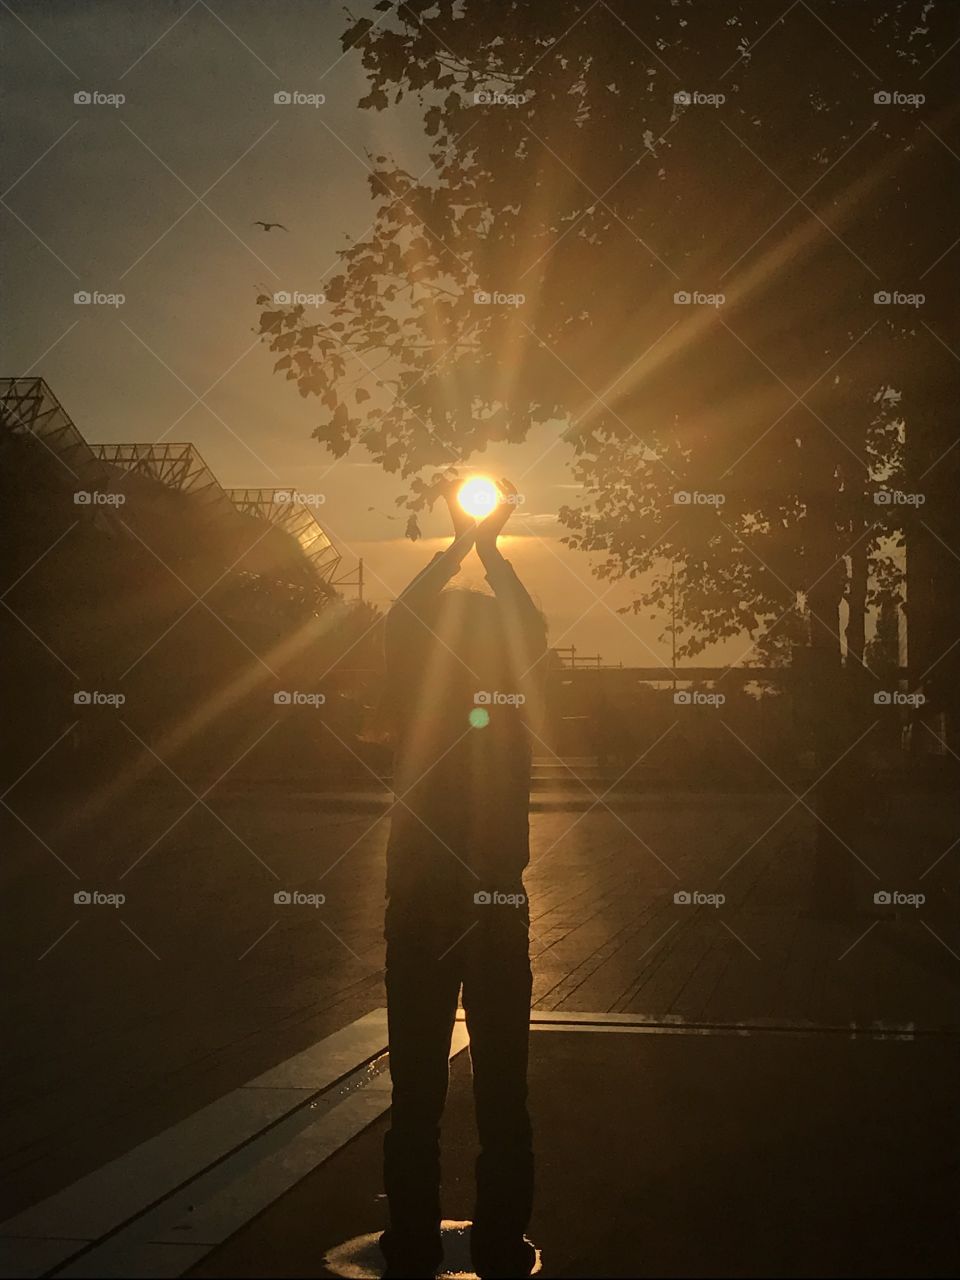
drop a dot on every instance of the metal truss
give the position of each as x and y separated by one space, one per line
28 406
290 511
177 466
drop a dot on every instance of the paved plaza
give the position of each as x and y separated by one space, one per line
110 1052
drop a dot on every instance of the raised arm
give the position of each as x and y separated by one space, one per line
431 580
525 622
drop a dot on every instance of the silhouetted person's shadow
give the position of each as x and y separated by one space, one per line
362 1257
458 684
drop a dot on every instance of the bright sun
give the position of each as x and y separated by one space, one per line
478 496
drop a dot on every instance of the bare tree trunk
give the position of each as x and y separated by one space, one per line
857 604
832 887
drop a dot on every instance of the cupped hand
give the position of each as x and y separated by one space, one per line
464 525
490 528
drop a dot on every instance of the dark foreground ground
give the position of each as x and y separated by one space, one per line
131 1017
683 1155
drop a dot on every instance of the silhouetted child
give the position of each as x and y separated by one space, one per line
457 919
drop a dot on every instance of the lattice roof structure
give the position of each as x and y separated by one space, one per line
178 466
282 507
27 405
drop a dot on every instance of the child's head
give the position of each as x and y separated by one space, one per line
463 638
462 645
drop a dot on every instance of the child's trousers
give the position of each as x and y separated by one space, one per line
426 971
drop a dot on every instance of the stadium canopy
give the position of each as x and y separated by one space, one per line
292 512
28 406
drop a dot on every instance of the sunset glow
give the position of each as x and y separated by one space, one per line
478 496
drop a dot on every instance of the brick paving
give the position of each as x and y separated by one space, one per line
131 1017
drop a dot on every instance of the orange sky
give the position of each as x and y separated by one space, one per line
105 198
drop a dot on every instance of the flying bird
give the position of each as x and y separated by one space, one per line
268 225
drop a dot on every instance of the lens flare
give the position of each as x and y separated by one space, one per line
478 496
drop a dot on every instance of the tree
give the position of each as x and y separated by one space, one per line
565 170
